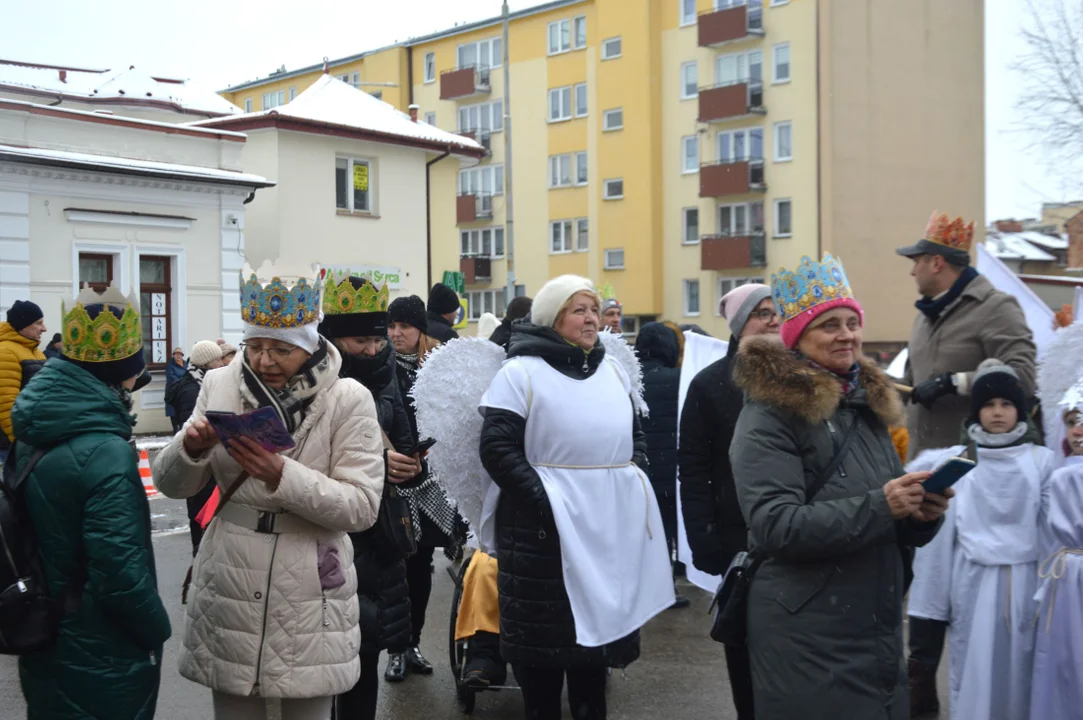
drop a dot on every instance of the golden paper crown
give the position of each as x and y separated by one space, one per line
955 234
340 297
105 338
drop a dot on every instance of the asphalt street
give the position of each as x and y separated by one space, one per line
681 673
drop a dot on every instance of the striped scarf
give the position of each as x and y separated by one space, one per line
291 401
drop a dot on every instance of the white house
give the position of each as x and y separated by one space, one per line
156 208
351 177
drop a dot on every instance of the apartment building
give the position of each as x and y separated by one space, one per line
675 149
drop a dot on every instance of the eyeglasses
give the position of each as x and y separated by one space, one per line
765 315
274 354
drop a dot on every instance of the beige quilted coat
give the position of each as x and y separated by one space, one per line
258 621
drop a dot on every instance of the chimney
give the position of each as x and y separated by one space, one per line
63 76
1074 228
1009 226
413 112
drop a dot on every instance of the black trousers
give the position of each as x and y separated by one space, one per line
419 579
927 642
739 668
360 702
542 688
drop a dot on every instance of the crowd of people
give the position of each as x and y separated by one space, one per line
793 451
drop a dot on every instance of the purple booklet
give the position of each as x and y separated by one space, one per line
262 425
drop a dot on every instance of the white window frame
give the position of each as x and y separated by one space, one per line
490 114
564 102
725 285
777 223
472 180
557 177
775 79
293 94
685 19
685 226
577 22
476 241
564 29
685 67
685 286
779 3
607 53
567 236
430 68
350 162
484 301
279 99
606 189
729 136
579 160
582 229
496 59
749 227
609 264
607 115
248 105
580 108
744 61
430 118
694 140
777 143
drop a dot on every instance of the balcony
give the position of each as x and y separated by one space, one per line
729 100
464 82
481 136
733 252
731 177
718 27
473 206
475 270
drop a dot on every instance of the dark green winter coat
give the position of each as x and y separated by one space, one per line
825 608
86 500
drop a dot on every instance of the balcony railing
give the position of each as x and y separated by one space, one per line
731 99
463 82
732 177
733 252
725 25
482 136
475 269
473 206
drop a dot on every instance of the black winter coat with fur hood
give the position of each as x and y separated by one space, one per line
825 608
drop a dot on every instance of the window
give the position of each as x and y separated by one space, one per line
727 285
486 117
430 67
482 54
611 49
581 100
614 259
248 105
430 118
691 297
293 94
488 180
274 99
776 3
613 119
741 219
688 12
783 141
352 185
355 80
689 80
783 218
560 40
580 168
781 63
580 32
613 189
482 242
483 301
690 154
95 270
560 236
740 145
155 306
560 104
690 226
582 235
378 94
561 170
741 67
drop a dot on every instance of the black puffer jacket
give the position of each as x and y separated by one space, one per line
712 517
182 395
537 627
659 351
439 328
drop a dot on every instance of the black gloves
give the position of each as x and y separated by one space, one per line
932 390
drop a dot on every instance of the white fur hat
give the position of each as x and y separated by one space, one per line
487 324
551 298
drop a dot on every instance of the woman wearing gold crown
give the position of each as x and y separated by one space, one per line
832 517
273 611
90 515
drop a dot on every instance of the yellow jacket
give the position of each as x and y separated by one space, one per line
14 351
900 438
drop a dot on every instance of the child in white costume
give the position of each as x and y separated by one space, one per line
980 572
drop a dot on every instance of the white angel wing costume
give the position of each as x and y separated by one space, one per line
1058 371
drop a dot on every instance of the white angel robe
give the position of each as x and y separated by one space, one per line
1057 692
980 574
579 439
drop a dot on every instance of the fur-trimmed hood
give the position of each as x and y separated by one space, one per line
769 373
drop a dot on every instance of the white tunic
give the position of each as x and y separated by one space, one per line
579 439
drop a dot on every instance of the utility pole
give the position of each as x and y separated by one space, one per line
509 215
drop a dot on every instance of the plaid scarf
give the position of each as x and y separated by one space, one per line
429 498
293 400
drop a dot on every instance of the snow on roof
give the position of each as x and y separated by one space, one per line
1012 246
329 100
130 167
1050 242
116 87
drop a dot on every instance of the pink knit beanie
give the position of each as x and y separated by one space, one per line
792 330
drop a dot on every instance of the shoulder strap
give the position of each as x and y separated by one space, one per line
836 461
35 457
228 495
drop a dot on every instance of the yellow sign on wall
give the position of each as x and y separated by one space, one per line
360 177
460 317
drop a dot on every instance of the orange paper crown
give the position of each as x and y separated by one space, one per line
954 234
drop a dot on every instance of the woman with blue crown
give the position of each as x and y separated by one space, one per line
832 516
273 610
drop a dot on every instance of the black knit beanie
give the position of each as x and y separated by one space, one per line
23 314
409 310
443 300
994 380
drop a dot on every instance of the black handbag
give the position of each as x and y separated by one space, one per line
396 521
730 603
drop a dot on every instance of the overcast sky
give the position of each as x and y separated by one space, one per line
223 42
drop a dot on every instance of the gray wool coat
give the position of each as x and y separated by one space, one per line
825 608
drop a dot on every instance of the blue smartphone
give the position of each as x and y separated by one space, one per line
947 475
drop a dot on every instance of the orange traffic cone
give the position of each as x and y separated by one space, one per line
144 473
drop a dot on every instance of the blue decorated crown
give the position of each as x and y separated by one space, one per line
814 283
277 304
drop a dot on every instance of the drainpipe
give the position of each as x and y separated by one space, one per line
428 216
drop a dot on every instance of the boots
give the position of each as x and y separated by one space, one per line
396 668
484 666
416 662
923 698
